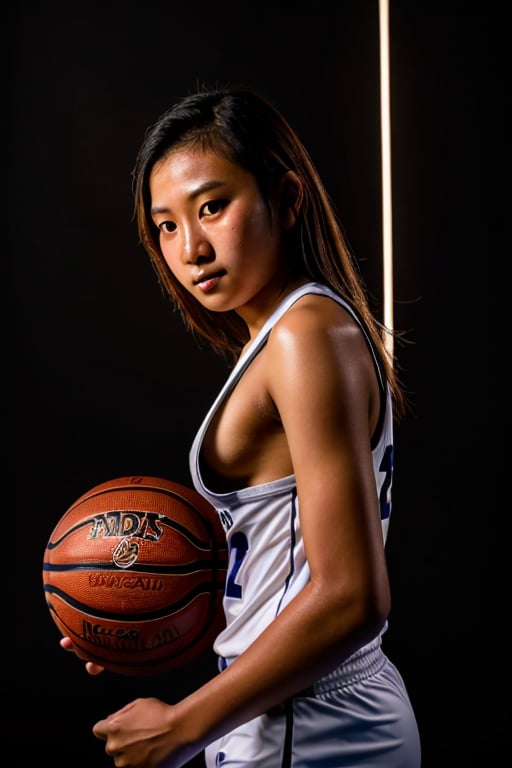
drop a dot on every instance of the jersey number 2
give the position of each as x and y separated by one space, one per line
239 545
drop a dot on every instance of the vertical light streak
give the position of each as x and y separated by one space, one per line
387 219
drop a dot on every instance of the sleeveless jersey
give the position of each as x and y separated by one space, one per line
267 564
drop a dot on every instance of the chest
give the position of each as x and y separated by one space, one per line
245 442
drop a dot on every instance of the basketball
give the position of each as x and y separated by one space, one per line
134 573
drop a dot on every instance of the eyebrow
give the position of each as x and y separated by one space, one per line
200 190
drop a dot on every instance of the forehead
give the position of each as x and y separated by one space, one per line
186 171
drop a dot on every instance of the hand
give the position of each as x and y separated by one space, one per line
90 666
144 735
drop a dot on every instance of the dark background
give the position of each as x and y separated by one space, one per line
104 381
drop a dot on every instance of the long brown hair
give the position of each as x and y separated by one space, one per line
245 128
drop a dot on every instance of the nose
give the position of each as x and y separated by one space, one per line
197 248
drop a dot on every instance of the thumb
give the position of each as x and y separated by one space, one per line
100 729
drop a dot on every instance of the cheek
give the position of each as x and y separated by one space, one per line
170 257
256 228
166 252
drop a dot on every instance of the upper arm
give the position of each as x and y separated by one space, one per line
323 382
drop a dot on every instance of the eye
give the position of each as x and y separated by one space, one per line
213 207
167 226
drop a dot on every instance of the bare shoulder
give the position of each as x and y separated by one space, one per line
318 361
317 320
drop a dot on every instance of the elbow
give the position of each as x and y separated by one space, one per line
376 605
374 599
364 613
376 614
350 612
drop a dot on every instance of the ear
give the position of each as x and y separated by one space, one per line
290 194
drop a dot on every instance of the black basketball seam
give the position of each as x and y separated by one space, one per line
136 617
157 569
167 521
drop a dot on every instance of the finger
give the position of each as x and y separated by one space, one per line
93 669
100 729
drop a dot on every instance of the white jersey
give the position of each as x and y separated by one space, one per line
267 563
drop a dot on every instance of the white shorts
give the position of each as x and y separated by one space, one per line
358 716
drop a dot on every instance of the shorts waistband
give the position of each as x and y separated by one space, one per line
363 663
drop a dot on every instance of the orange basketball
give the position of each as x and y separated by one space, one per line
134 573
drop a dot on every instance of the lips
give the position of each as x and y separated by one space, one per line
207 282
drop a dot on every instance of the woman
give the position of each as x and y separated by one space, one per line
296 452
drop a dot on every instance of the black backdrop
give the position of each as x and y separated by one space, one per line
105 382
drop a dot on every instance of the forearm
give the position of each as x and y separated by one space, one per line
306 641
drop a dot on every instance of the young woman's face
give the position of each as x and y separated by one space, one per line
218 235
